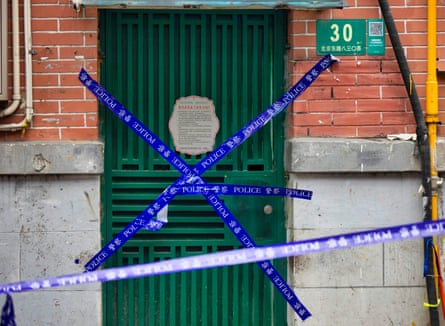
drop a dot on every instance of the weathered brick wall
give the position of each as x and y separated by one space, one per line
64 40
363 96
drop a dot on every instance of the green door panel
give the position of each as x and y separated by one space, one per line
251 211
150 58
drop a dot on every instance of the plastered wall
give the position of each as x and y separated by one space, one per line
374 285
50 219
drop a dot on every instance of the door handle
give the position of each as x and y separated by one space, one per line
268 209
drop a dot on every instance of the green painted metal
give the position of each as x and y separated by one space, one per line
214 4
150 59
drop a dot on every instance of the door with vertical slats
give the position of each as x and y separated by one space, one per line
149 60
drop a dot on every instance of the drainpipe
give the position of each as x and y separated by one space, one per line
22 125
432 111
424 150
16 98
432 120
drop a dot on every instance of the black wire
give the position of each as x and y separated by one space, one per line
424 150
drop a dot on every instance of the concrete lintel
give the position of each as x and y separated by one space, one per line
24 158
308 155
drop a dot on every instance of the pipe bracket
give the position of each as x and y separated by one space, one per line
436 183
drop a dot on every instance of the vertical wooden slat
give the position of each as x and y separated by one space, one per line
182 277
204 311
174 307
213 71
255 297
225 114
139 88
226 305
266 94
161 106
130 297
215 292
203 55
235 297
118 72
132 143
121 295
235 69
195 307
243 292
192 68
151 291
253 39
151 80
180 74
127 87
246 80
139 295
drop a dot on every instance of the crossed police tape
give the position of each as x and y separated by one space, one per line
192 175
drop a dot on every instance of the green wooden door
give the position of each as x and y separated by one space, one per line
149 60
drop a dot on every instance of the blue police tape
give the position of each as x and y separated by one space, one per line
266 266
146 218
240 190
240 256
177 162
8 315
139 128
209 161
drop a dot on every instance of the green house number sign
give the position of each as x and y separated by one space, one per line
350 37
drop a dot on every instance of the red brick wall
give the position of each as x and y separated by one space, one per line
61 37
363 96
360 97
